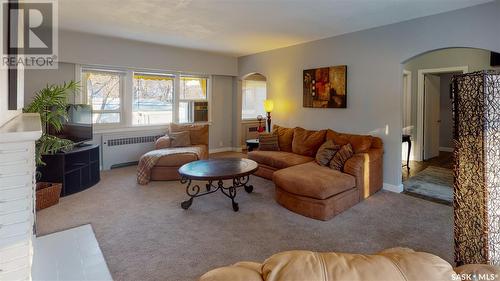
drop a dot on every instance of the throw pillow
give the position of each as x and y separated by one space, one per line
197 133
339 159
268 142
307 142
359 143
163 142
326 152
285 137
180 139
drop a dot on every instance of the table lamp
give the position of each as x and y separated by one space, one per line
268 106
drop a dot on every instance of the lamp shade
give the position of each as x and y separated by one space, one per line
268 105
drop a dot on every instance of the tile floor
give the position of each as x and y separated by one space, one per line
72 254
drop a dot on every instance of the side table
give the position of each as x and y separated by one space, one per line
252 144
407 139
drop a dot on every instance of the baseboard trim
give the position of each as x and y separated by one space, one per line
220 149
447 149
392 187
238 149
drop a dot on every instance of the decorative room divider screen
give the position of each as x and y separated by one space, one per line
476 111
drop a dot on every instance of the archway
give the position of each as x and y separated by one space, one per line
427 119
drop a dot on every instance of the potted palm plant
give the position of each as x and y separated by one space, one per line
50 102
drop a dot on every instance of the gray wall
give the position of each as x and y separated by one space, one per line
86 48
375 61
445 112
221 134
36 79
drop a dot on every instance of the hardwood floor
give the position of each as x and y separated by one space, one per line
444 160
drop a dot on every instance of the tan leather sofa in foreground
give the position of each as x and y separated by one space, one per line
315 191
397 264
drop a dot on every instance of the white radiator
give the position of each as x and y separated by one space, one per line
249 131
126 148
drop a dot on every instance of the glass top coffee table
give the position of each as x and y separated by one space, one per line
215 171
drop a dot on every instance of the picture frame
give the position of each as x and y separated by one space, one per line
325 87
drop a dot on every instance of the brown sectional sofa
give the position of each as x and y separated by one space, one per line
315 191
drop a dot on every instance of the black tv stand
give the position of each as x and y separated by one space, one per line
77 169
82 144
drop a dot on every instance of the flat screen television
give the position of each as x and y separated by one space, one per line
495 59
78 126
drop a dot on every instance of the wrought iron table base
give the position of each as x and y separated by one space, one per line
194 190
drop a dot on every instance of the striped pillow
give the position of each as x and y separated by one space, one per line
326 152
268 142
341 157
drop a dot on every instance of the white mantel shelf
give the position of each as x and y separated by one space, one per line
25 127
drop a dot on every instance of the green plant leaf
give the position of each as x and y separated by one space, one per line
50 102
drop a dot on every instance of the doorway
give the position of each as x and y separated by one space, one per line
434 131
429 175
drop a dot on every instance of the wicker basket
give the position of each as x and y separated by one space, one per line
47 194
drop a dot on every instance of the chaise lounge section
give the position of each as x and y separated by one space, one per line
167 166
163 163
316 191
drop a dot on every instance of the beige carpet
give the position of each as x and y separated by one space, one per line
145 235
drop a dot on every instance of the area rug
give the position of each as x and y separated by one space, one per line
432 183
145 235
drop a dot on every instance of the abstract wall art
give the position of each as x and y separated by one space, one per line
325 87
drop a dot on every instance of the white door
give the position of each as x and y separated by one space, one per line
432 120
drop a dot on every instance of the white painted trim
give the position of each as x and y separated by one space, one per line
177 86
419 148
392 187
78 97
407 115
130 129
237 113
210 85
127 96
447 149
220 149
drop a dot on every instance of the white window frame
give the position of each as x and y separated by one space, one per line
132 96
84 97
251 119
177 94
126 95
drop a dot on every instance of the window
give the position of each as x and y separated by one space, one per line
152 99
125 97
103 92
253 95
193 99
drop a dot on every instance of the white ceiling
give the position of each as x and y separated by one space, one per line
240 27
